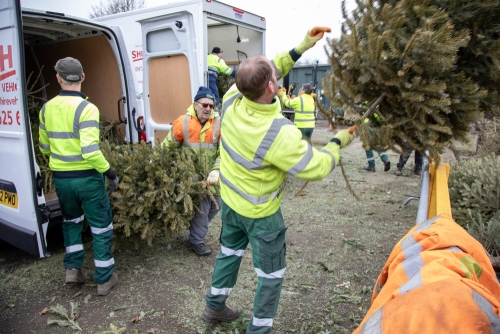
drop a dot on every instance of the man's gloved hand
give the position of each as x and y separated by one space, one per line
213 178
114 184
113 179
312 36
345 137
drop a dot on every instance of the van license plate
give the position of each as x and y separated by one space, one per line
8 198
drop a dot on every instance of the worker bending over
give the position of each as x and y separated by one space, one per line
259 147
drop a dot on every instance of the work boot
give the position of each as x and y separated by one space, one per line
227 314
399 171
369 168
201 249
387 166
74 275
105 288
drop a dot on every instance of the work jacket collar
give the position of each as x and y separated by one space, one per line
192 112
270 108
72 93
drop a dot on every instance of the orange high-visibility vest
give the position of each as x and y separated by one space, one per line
188 133
438 279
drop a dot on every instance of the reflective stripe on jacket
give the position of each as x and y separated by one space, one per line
217 65
282 64
188 133
438 279
69 133
304 107
258 148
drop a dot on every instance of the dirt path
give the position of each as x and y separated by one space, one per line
336 247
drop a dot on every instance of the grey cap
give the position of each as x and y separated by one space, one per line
69 69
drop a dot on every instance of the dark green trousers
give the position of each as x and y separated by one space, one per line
80 198
306 132
267 238
371 158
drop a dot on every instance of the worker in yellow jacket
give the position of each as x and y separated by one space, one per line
217 65
259 147
199 130
69 134
304 107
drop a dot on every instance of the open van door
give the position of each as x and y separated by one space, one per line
22 222
168 73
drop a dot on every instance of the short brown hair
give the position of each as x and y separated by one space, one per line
253 75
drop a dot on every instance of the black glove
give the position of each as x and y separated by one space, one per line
113 179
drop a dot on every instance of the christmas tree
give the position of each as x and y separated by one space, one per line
404 54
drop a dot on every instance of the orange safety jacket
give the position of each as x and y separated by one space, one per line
188 133
438 279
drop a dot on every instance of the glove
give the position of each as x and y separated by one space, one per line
113 179
345 137
114 184
213 178
312 36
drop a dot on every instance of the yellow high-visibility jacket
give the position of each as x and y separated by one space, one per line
217 65
259 147
304 107
69 133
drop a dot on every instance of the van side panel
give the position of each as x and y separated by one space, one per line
20 219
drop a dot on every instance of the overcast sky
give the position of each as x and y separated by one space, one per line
287 21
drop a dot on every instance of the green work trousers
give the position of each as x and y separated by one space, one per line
267 238
371 158
86 197
306 133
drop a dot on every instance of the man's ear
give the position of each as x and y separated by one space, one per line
59 80
83 77
270 87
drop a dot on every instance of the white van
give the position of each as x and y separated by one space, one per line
173 65
177 38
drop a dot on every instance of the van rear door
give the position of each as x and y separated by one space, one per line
22 223
170 70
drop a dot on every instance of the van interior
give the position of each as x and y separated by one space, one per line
48 40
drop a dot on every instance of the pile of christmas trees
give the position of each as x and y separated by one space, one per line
434 62
158 192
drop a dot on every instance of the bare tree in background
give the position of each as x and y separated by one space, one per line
109 7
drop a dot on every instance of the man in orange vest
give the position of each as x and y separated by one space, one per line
199 130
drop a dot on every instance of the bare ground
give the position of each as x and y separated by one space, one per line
336 247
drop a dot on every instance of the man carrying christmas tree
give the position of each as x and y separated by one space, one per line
304 107
69 133
199 130
259 147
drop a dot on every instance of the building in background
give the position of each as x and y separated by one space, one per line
301 74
